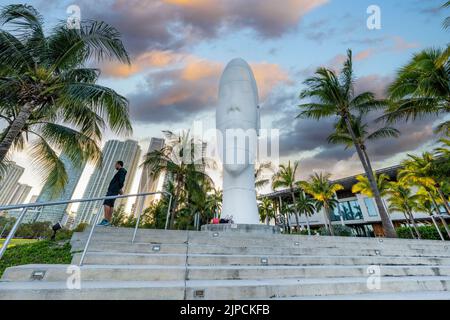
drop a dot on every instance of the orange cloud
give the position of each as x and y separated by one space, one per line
151 59
363 55
268 76
200 69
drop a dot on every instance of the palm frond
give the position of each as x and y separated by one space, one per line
385 132
104 101
75 145
94 40
47 163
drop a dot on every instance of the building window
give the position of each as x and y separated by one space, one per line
350 210
370 205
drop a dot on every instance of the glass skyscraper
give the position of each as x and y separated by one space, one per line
55 214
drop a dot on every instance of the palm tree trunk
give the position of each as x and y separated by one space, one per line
438 212
416 229
175 201
297 220
328 220
307 224
385 221
408 226
444 200
14 130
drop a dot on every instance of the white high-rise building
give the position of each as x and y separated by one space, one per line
148 182
127 151
55 214
21 193
9 182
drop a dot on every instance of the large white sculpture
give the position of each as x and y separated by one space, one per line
237 119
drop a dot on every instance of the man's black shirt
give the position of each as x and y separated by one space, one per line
117 182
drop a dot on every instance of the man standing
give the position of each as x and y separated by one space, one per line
114 189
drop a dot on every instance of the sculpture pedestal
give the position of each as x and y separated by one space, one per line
242 228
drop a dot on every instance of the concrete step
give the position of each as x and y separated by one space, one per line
294 248
174 236
165 273
125 258
219 289
385 296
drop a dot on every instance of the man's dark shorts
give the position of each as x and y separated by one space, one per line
109 202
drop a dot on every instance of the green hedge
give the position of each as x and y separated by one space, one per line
40 252
339 231
426 232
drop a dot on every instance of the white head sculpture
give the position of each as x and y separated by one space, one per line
237 119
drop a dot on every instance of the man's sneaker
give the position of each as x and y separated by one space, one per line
104 222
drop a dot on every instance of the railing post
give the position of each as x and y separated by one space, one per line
141 207
12 232
94 224
437 228
168 211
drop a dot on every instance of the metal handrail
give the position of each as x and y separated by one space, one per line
25 207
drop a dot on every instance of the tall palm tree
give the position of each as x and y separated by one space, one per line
418 171
362 135
48 95
285 178
427 204
333 96
305 205
260 180
266 210
177 159
324 192
402 199
422 87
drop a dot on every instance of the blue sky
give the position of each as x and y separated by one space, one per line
179 48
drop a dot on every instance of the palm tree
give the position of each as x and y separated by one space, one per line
426 204
362 135
266 210
333 96
418 171
285 178
305 205
402 200
363 186
49 97
177 159
261 168
320 188
422 88
214 201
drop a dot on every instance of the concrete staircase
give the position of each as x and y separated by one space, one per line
230 265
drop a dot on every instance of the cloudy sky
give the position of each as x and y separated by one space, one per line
179 48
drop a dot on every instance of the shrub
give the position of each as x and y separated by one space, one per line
81 227
426 232
34 230
339 231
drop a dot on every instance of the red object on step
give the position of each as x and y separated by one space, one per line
215 221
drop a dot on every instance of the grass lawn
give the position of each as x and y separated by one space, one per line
36 252
15 242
